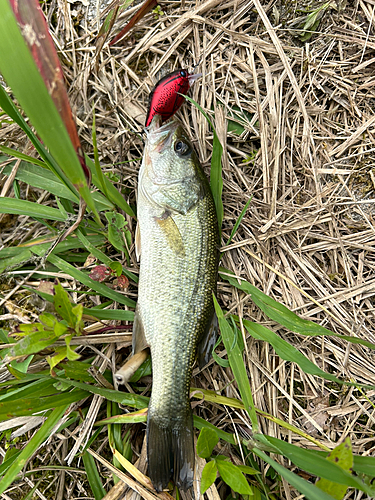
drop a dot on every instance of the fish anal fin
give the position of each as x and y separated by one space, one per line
137 242
139 339
207 342
172 234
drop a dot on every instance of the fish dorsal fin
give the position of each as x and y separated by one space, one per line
172 234
137 242
139 339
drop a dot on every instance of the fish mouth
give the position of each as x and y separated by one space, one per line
159 137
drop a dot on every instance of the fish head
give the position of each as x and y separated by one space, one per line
169 154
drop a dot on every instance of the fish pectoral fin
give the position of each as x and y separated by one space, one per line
180 197
137 242
139 341
172 234
207 342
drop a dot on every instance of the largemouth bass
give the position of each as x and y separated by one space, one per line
178 240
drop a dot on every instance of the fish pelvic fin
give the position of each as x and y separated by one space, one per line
139 341
170 451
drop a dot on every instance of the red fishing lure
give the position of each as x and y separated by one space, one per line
165 99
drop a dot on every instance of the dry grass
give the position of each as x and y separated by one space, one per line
305 155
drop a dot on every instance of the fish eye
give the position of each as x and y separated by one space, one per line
181 148
183 73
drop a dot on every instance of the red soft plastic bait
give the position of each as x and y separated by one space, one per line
165 99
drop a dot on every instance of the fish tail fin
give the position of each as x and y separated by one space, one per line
170 451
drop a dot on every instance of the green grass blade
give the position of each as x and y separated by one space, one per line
216 178
126 418
29 406
123 398
93 250
364 465
280 313
289 353
15 261
237 365
41 178
239 220
319 466
98 170
8 462
310 491
8 106
21 73
42 387
22 156
23 207
113 194
201 423
40 437
38 176
93 476
361 464
70 243
117 314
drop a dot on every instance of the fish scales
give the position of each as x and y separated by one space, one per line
177 237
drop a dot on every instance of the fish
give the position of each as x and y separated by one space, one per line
165 98
177 239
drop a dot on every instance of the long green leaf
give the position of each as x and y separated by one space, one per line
289 353
38 176
134 417
112 314
21 73
278 312
15 261
41 388
93 476
309 490
361 464
98 170
113 194
8 106
237 365
239 220
216 177
123 398
8 462
29 406
319 466
24 207
40 437
364 465
20 156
